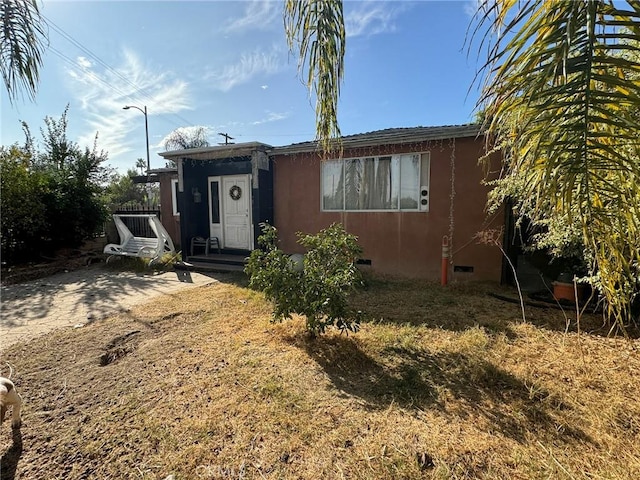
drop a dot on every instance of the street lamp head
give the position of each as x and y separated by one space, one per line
146 129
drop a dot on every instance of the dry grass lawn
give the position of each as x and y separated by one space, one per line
440 383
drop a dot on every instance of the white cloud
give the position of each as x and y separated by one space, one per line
372 18
84 62
252 65
264 87
102 92
258 14
272 117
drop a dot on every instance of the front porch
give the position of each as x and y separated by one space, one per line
215 262
223 195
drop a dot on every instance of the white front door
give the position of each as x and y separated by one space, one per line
236 206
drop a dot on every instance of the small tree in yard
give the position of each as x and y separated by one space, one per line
320 289
49 194
24 214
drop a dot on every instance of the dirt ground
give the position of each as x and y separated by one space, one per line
74 298
439 383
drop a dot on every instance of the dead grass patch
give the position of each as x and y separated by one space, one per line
439 383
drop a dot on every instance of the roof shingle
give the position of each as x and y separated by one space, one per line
390 136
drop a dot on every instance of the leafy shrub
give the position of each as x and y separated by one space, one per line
24 221
320 290
49 194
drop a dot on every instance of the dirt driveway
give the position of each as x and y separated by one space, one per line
33 308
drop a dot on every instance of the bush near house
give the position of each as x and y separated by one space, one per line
320 289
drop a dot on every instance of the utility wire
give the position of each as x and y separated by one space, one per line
93 75
119 75
89 53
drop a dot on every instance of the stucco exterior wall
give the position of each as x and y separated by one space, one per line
400 243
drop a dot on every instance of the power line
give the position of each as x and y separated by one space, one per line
92 74
126 80
84 49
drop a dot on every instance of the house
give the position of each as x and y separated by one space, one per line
401 191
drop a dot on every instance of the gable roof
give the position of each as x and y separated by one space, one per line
390 136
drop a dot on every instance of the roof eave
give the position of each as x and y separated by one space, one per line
378 138
221 151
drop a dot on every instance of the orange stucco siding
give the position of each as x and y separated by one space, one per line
399 243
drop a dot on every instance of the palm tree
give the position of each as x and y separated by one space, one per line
561 100
141 163
22 42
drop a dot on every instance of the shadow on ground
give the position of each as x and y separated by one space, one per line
463 306
10 458
421 380
94 291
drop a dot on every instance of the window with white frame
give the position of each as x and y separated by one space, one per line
390 182
174 196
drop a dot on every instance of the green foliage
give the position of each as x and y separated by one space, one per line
122 191
51 198
320 290
316 28
23 221
561 99
141 164
23 39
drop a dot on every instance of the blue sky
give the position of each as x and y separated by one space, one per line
225 65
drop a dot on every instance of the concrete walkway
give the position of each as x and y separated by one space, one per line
33 308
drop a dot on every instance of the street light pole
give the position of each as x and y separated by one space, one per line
146 130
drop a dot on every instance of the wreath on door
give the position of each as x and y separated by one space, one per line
235 192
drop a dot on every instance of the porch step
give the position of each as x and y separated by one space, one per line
214 263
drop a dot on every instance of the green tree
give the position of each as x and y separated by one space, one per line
22 41
122 191
62 184
142 165
317 287
24 220
75 178
561 101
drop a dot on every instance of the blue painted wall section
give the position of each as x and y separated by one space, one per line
194 217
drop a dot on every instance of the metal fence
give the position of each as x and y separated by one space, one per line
139 226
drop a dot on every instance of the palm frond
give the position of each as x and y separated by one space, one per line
315 29
22 42
562 96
